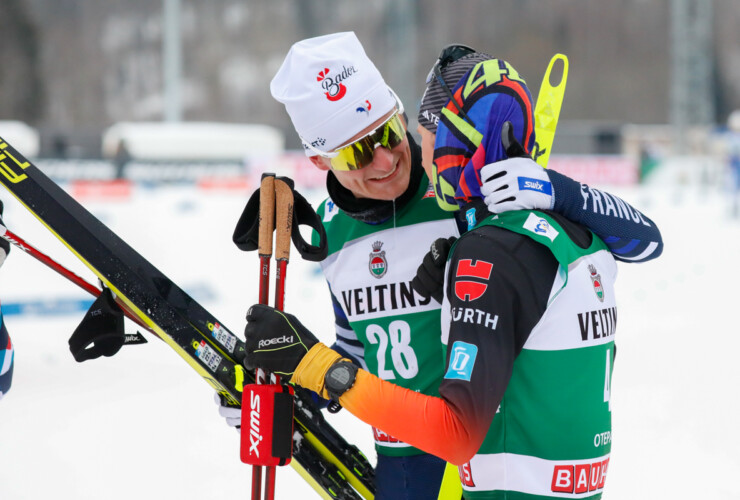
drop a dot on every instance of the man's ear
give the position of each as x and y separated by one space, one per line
320 162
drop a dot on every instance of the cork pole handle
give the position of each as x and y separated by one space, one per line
267 215
283 219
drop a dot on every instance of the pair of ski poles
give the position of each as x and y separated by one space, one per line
275 216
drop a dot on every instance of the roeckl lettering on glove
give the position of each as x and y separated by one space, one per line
278 340
275 340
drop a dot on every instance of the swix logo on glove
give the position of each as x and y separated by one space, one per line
277 340
472 290
535 185
267 424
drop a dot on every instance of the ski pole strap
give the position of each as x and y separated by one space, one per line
247 228
101 331
247 232
304 214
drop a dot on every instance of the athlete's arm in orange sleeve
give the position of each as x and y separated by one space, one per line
425 422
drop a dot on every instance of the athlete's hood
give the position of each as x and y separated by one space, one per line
461 149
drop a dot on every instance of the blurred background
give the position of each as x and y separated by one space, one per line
648 80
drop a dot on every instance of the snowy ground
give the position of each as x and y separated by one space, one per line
143 425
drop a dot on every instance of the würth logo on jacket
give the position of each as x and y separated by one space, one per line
332 85
469 290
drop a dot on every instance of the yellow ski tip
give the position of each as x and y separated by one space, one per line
547 109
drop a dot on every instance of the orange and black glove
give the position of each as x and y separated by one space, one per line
278 342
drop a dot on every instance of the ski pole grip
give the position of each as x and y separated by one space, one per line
267 214
267 424
283 217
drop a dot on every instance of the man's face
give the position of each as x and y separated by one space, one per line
427 150
385 178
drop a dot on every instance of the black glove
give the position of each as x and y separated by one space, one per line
513 147
429 279
4 245
276 341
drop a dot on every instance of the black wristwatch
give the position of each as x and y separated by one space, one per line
339 378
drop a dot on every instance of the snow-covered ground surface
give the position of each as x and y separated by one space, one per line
144 425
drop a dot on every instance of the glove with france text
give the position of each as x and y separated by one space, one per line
516 183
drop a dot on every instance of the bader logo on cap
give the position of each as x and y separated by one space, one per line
331 90
334 87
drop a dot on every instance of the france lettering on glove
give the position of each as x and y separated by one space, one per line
276 341
429 279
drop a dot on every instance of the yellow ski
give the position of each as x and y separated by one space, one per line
547 110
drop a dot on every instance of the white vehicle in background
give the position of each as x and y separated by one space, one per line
190 141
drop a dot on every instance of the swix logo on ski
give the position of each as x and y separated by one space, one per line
471 290
579 478
527 183
275 341
255 438
334 88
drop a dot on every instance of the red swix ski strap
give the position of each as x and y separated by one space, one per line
267 424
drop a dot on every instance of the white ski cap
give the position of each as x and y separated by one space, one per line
331 90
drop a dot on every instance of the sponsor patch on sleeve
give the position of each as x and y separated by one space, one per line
462 360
